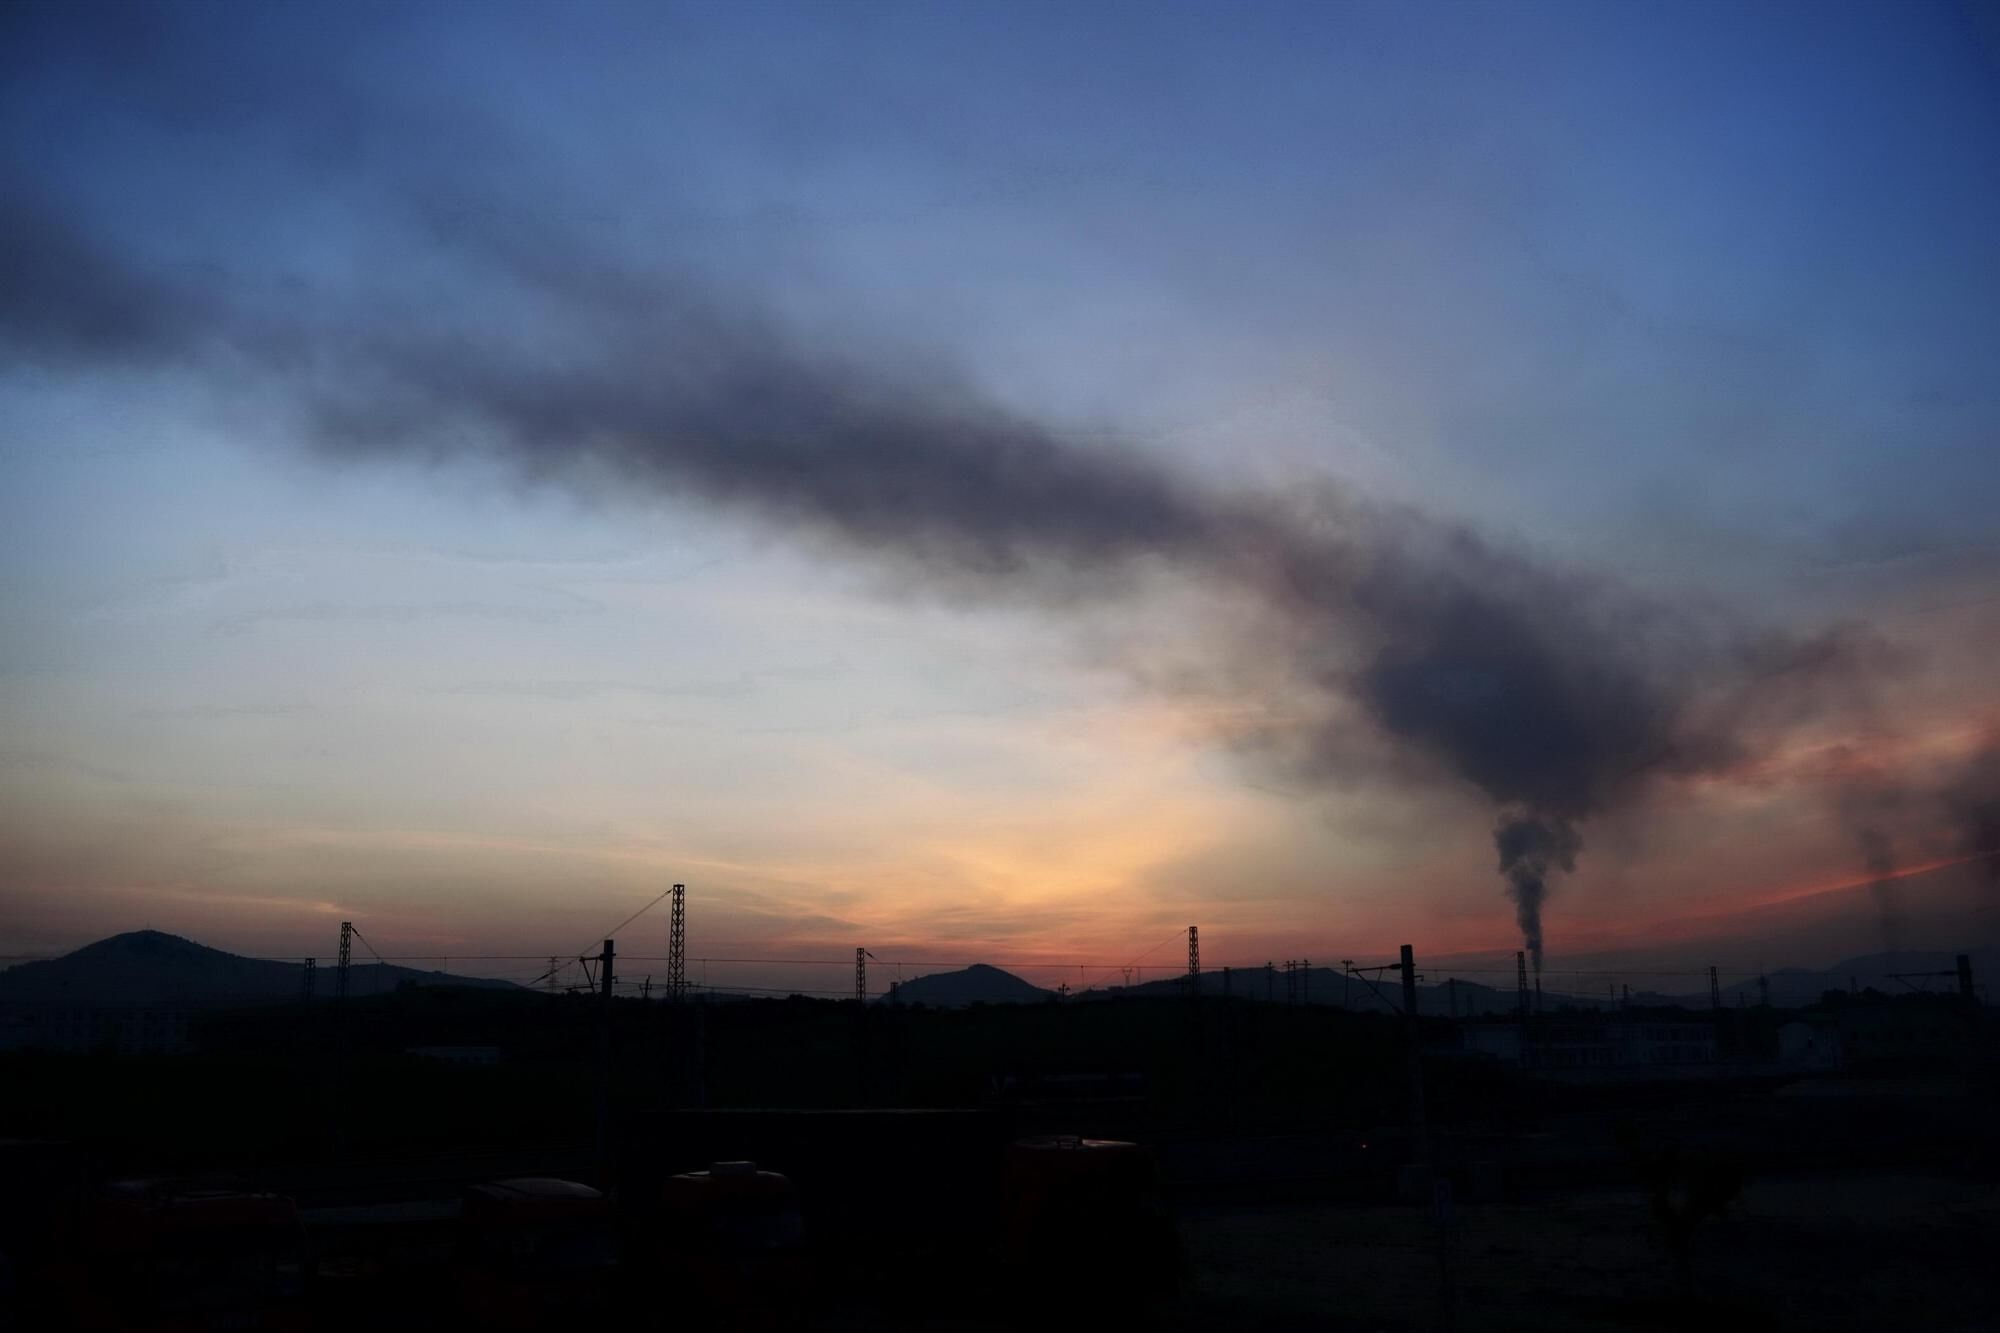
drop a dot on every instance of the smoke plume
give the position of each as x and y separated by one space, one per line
1878 853
1556 696
1531 850
1971 802
1949 814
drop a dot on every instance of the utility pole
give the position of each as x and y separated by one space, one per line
861 976
1438 1186
1194 962
306 978
1411 1041
701 1052
346 956
1763 992
1346 979
549 977
1305 980
1714 989
605 981
677 981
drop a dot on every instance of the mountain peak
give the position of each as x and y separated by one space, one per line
146 941
980 983
152 967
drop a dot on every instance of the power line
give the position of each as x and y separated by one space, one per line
1133 962
613 932
1018 965
371 948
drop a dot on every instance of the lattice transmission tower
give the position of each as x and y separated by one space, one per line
677 980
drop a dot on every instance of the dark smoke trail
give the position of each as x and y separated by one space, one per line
1556 696
1971 801
1878 852
1531 850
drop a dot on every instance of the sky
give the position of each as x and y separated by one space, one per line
1001 482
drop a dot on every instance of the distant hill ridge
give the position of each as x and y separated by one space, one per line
1789 987
978 984
151 967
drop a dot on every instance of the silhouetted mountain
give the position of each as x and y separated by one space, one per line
150 967
978 984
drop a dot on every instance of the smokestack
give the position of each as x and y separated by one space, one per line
1521 980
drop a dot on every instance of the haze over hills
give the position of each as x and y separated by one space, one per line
150 967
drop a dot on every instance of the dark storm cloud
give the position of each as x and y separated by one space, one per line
1555 695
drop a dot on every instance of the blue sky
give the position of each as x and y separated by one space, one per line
1701 299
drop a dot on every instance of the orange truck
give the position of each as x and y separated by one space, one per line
731 1239
527 1252
534 1252
1083 1225
181 1256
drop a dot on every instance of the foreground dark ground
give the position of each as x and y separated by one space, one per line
1280 1142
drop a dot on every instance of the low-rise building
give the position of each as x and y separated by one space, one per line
1809 1044
457 1055
78 1029
1583 1043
